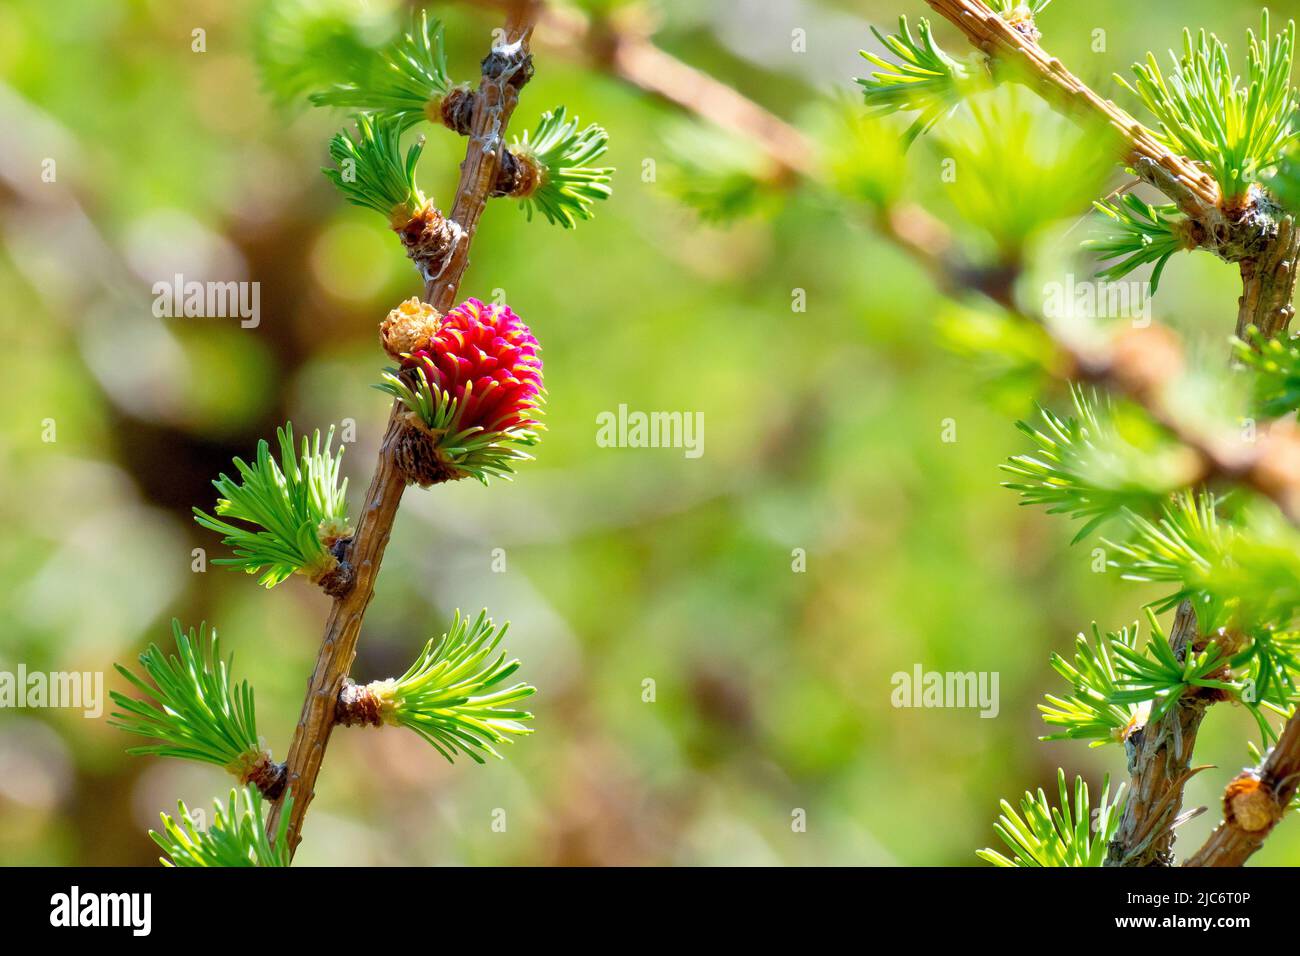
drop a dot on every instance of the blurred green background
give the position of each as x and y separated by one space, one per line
822 433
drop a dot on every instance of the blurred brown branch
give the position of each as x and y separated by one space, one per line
624 49
1142 364
1141 374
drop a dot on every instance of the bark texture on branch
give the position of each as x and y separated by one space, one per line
334 660
505 70
1159 763
1268 283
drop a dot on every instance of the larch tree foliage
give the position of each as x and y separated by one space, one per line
1181 471
1185 469
467 395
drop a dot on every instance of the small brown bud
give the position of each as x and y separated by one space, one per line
358 705
257 768
428 238
454 111
510 63
1249 804
337 581
407 327
518 176
419 458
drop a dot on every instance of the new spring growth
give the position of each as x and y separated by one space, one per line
454 696
408 83
372 172
1072 833
1238 126
546 169
921 79
195 711
471 384
236 837
1188 502
292 514
469 387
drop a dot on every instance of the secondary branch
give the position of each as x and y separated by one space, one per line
1254 803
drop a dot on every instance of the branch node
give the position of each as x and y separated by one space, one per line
518 175
510 64
265 774
358 706
338 581
455 110
1249 803
429 239
418 457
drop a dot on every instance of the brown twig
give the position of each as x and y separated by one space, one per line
1139 366
1263 240
505 69
1159 758
1254 803
1195 191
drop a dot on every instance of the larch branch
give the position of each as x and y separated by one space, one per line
1194 190
1267 791
504 71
